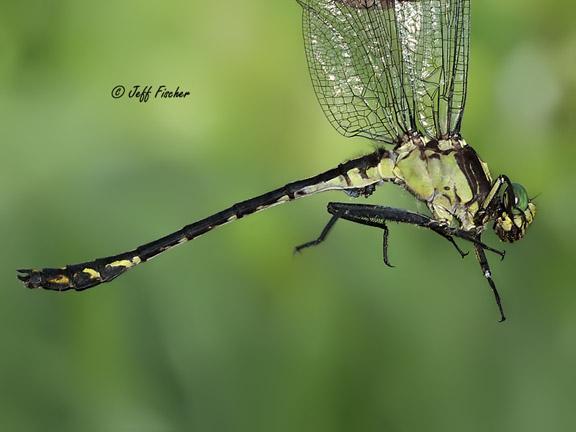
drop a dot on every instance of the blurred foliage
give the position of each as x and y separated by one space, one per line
231 332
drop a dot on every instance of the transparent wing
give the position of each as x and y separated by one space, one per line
383 68
435 34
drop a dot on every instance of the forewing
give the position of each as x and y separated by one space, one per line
384 68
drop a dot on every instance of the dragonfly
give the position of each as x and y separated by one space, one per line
394 72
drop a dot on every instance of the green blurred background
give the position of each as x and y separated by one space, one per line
231 332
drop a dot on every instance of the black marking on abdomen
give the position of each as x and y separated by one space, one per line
363 174
344 174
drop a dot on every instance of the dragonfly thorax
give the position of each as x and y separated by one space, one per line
445 174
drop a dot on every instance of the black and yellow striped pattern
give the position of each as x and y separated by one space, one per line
357 175
447 175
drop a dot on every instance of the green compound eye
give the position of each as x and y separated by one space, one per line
521 196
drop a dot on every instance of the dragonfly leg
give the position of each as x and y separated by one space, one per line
372 215
488 275
377 216
330 224
385 244
450 239
473 238
320 238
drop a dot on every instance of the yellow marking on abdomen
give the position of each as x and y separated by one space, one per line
126 263
60 280
384 170
92 273
339 183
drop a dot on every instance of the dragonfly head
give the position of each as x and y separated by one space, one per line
516 212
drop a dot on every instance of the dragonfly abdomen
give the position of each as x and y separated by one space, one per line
358 175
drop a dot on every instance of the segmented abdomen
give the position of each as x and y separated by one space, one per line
79 276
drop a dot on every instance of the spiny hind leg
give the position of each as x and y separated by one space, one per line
329 227
377 216
320 238
355 193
